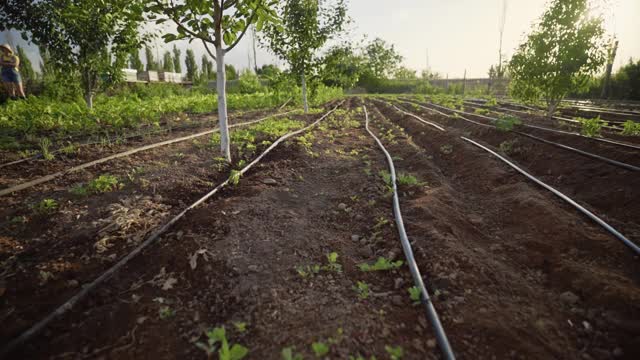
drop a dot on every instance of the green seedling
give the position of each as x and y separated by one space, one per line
363 290
631 128
217 340
333 265
307 270
104 183
592 127
381 264
46 206
320 349
507 122
234 178
240 326
166 312
395 352
414 294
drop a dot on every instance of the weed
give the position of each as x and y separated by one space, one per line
166 312
363 289
288 354
240 326
104 183
333 265
482 111
414 294
320 349
592 127
506 147
507 122
631 128
18 220
394 352
407 180
306 270
446 149
79 190
46 206
69 149
380 265
217 340
45 144
234 178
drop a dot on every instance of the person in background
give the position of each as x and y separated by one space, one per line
9 73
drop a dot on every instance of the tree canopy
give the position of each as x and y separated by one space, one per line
560 55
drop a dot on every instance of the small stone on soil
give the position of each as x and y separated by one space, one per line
342 206
355 237
73 283
253 268
431 343
269 181
569 298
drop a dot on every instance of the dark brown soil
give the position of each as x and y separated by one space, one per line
514 272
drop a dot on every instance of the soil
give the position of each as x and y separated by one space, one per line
514 272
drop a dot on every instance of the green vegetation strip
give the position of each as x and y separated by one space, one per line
62 309
50 177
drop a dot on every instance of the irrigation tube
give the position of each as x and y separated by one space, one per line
62 309
593 217
419 118
443 342
637 147
562 146
50 177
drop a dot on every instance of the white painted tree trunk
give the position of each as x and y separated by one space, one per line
304 93
221 79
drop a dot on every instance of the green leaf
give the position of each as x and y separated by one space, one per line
238 352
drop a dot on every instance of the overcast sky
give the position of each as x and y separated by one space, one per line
457 34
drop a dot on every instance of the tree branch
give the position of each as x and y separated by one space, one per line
253 15
209 51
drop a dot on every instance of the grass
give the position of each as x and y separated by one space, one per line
45 144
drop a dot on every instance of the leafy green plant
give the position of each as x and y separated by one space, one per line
381 264
363 289
104 183
320 349
333 265
507 122
592 127
414 294
631 128
217 340
482 111
395 352
234 178
46 206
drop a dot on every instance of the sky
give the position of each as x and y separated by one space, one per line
451 36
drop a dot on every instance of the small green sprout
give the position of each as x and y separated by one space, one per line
320 349
414 294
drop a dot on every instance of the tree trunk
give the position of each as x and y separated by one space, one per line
221 81
304 93
88 96
552 105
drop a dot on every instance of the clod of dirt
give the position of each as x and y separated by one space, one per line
355 237
569 298
269 181
396 300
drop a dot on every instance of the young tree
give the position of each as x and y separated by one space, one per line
382 59
77 32
177 61
167 62
342 67
134 60
151 61
404 73
306 26
220 24
191 65
560 55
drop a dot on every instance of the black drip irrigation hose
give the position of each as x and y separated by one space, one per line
432 314
609 228
534 127
50 177
68 305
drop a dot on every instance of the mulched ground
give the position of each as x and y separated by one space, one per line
515 273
